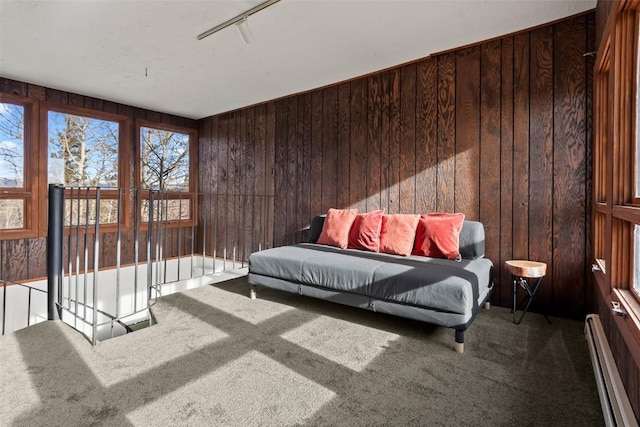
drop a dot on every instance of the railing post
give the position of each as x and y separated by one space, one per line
149 248
54 249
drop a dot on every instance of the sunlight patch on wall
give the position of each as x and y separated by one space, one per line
349 344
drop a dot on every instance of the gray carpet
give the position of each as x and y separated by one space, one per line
217 358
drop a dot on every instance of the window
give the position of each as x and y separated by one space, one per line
165 167
84 150
601 160
617 159
164 159
18 207
11 164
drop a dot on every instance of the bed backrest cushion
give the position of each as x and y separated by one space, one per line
472 240
316 228
471 237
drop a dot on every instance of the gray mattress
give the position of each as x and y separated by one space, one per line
438 284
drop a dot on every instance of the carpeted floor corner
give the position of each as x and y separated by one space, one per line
215 357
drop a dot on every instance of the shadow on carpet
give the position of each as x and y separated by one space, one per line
218 358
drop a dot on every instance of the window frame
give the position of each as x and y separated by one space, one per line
635 105
615 138
171 195
602 159
124 159
33 208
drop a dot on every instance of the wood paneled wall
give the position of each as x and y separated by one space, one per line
236 170
499 131
26 258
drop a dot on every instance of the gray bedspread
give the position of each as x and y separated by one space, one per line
438 284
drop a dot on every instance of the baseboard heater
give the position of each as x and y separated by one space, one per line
616 408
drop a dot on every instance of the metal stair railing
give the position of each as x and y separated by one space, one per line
158 227
6 286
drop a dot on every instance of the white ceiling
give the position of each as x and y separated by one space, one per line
145 53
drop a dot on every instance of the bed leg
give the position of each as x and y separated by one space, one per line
252 292
487 305
459 341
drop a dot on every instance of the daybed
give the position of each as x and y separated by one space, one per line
440 291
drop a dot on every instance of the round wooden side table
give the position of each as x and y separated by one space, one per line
522 271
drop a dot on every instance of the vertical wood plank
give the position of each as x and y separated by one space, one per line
317 164
107 254
236 127
467 132
541 143
37 248
208 156
374 143
112 107
126 110
634 390
249 191
358 154
15 254
76 100
36 92
270 142
213 158
630 378
57 96
261 178
204 174
98 105
291 169
489 167
300 172
13 87
426 135
502 295
395 135
4 272
281 158
344 145
521 147
223 184
446 132
569 166
329 147
307 213
260 134
385 135
407 170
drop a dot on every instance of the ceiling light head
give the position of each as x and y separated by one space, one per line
244 30
238 20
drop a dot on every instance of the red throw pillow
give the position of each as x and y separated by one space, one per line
335 230
438 235
398 233
365 231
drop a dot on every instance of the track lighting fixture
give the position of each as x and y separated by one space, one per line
240 21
